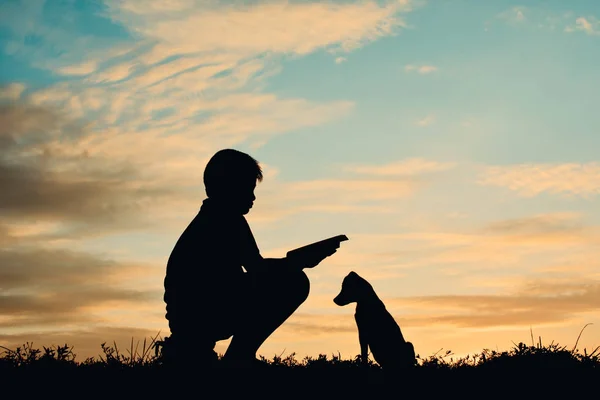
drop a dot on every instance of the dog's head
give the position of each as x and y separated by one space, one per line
354 288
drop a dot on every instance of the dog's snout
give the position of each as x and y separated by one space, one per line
337 301
342 299
346 295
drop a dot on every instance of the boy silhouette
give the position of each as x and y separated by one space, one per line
208 295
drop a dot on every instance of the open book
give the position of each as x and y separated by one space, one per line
332 242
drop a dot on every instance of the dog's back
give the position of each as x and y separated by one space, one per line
375 324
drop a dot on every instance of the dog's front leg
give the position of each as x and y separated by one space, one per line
364 349
363 339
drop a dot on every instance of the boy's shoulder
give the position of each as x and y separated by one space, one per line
208 220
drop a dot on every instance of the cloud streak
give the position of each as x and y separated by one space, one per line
364 189
70 287
518 246
50 175
299 28
421 69
408 167
536 303
426 121
515 15
588 25
529 180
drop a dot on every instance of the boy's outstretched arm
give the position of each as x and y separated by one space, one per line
253 261
300 261
308 260
262 264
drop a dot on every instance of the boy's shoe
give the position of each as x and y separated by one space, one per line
246 363
181 355
208 358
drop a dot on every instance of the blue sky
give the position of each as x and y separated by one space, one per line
455 143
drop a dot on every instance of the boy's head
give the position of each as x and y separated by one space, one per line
230 177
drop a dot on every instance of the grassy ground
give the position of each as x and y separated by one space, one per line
524 370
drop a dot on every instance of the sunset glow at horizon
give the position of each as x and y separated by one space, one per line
456 145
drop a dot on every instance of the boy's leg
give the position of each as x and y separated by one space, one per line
189 352
274 297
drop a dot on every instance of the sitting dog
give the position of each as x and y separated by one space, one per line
377 329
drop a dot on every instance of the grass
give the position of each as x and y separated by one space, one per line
560 367
147 355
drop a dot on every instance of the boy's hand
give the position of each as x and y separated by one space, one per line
313 258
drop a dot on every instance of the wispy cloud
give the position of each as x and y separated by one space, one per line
514 14
426 121
408 167
68 285
519 244
353 196
589 25
536 302
275 27
580 179
85 68
366 189
421 69
50 175
11 92
543 18
544 224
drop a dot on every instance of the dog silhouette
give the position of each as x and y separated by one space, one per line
377 329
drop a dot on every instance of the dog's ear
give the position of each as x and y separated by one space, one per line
363 286
354 276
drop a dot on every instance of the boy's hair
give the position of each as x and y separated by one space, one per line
227 167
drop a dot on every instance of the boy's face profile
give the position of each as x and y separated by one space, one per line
245 197
239 195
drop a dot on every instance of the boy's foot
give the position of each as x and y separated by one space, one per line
209 358
246 363
176 355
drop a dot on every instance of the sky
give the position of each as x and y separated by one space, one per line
454 142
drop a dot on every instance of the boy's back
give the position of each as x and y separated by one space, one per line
204 272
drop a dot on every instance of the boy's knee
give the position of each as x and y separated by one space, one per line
295 285
301 285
